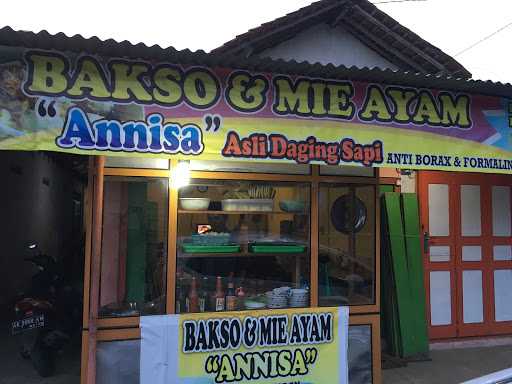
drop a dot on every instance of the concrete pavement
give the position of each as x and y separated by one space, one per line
452 366
15 370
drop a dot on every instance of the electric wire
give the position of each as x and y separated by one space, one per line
396 1
483 39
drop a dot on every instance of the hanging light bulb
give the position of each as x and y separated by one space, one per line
180 175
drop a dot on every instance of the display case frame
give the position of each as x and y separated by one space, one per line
126 328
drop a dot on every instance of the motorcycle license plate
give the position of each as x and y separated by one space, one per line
27 323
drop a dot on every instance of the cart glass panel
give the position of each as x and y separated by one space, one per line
243 245
134 246
346 259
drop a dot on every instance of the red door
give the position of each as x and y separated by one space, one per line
467 224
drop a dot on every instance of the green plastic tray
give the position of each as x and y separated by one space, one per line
199 248
277 248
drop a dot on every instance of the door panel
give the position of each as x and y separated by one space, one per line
471 218
502 252
438 209
472 297
471 253
439 253
503 294
440 276
440 293
501 223
467 221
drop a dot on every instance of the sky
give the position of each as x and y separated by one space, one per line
451 25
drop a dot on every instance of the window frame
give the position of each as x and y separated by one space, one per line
119 328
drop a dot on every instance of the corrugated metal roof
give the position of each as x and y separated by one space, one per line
112 48
366 22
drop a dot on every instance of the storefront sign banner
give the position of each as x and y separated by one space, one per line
307 346
118 107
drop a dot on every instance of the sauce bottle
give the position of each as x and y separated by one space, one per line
240 297
220 299
193 297
231 295
203 295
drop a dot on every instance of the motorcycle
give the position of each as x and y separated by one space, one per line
46 316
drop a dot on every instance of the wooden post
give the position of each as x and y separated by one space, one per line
87 268
172 242
314 225
95 268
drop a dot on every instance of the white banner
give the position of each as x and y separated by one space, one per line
306 345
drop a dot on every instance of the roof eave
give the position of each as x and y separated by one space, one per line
273 33
110 48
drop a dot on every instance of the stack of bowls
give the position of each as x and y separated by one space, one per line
278 297
299 298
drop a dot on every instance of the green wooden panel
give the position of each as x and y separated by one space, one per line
152 247
137 242
389 315
413 244
404 300
386 188
396 337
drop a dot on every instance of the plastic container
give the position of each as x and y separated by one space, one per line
194 203
211 239
251 205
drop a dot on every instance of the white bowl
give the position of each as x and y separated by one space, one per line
299 297
249 304
277 306
276 300
194 203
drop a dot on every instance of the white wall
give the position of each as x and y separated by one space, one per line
408 183
324 44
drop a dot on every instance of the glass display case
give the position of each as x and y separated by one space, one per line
243 245
237 237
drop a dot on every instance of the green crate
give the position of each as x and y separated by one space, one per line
200 248
260 248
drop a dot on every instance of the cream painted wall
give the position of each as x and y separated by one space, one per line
324 44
